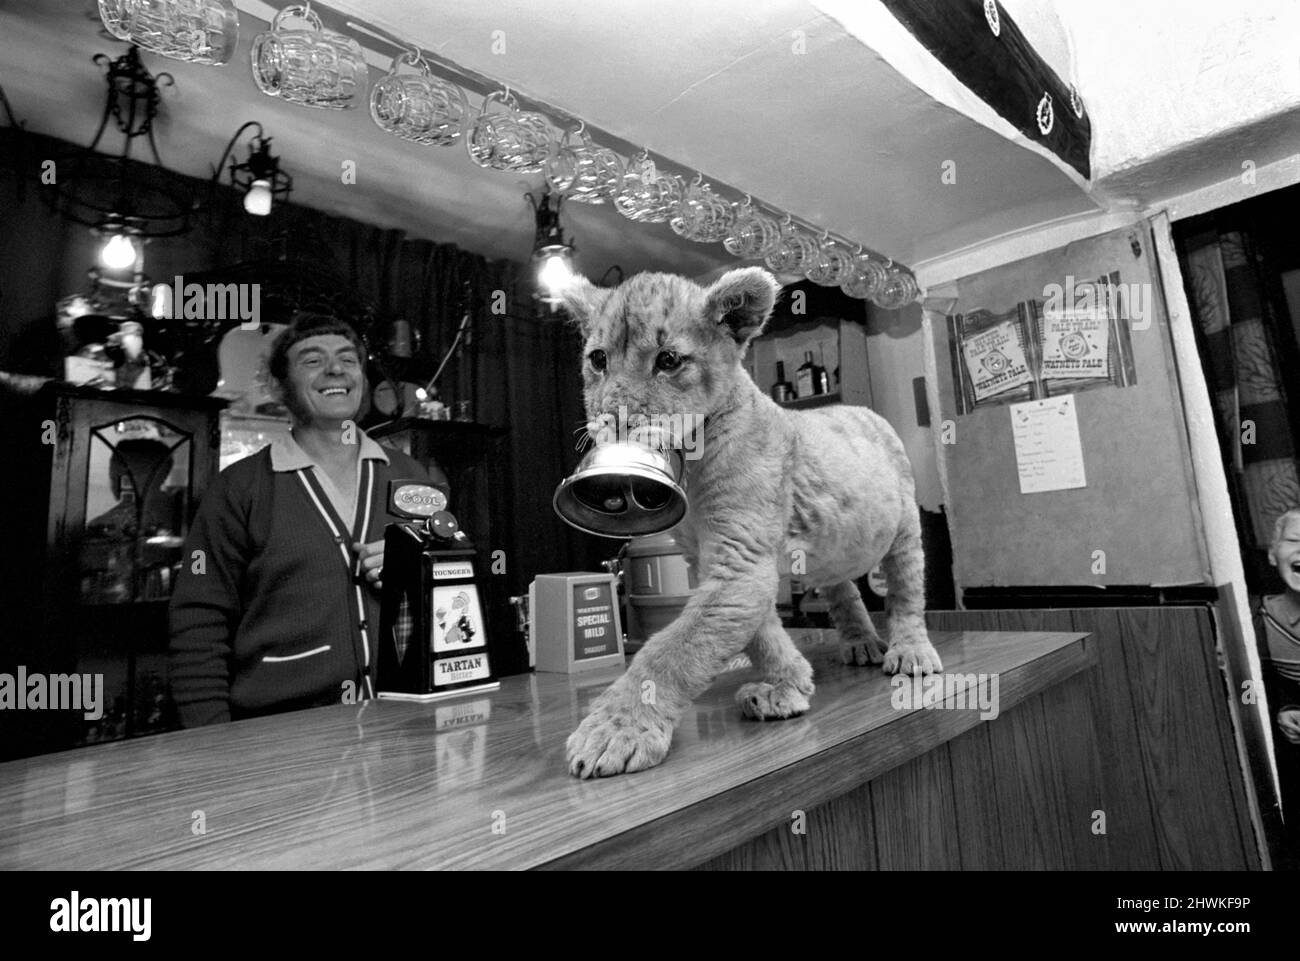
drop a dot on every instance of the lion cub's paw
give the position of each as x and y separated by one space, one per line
918 657
870 650
612 741
761 701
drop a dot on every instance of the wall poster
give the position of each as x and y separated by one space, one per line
1043 348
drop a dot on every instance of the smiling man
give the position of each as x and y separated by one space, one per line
277 604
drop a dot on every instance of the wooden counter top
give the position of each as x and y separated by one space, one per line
480 781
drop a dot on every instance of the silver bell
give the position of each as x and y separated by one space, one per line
623 490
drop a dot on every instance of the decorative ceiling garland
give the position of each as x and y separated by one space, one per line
301 61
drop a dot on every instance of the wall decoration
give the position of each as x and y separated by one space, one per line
995 357
1075 344
1045 347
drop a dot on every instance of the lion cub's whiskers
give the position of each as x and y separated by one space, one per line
584 437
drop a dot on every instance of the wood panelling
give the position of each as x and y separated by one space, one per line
1143 737
976 801
1175 704
1126 796
914 814
1077 765
839 837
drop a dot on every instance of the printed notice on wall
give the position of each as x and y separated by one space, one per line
1049 456
1076 344
995 359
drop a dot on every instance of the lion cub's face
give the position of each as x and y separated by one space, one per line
660 347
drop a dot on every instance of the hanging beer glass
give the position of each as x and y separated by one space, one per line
793 252
701 215
645 195
516 140
583 171
867 277
196 31
831 264
418 107
898 290
753 234
313 67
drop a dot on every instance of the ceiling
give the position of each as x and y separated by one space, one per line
767 96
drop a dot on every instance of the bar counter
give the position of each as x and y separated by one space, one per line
480 781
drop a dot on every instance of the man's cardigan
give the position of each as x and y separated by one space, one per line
270 611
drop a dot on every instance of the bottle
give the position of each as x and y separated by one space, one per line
805 376
782 390
431 408
133 368
821 378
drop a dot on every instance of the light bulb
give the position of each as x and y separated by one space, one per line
258 199
118 253
555 274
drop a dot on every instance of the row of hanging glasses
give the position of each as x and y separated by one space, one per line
302 62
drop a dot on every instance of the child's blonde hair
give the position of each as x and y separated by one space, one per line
1280 527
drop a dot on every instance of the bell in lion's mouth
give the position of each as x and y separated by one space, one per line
623 490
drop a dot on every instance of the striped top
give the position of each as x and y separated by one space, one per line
1279 615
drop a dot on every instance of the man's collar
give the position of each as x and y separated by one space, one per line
288 455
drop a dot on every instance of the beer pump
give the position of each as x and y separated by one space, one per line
433 635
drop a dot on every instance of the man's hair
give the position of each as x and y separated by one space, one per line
1280 527
308 324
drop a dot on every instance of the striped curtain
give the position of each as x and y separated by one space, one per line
1241 329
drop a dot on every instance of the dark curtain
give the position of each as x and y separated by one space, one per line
519 369
1240 316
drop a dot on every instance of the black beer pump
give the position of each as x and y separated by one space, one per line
433 636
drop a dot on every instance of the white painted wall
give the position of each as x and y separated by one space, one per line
895 355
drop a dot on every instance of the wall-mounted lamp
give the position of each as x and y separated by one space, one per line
552 260
259 177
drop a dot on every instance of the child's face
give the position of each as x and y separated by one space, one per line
1285 555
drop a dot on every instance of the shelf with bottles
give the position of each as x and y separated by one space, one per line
812 363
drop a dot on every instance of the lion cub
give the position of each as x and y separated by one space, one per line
834 483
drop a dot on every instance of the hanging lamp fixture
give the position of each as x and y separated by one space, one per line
552 259
124 200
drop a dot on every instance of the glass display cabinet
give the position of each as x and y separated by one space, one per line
116 477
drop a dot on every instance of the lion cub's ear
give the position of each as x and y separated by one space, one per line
582 299
742 299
